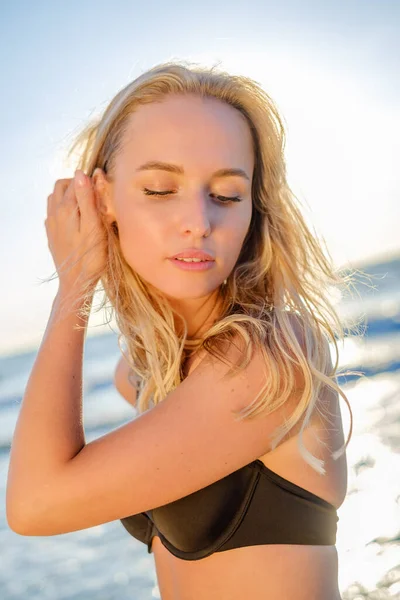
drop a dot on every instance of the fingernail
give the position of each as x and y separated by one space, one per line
80 177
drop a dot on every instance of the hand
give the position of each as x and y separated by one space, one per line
76 235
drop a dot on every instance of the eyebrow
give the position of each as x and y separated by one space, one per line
162 166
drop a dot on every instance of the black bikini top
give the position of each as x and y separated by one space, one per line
248 507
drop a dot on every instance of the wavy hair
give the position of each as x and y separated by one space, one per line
277 296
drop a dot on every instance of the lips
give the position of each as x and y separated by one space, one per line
193 265
194 253
190 258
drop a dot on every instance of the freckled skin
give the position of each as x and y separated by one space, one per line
201 135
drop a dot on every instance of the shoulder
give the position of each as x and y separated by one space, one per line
185 443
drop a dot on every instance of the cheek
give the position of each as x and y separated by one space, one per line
231 242
141 238
232 247
235 232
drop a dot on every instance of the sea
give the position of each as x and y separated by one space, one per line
106 563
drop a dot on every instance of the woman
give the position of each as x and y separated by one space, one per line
235 467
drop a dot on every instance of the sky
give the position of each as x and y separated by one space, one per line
332 67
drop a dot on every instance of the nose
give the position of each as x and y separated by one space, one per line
196 214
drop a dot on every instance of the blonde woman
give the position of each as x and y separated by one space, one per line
233 470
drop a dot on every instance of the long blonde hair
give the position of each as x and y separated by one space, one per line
279 288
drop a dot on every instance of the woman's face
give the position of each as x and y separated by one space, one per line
199 137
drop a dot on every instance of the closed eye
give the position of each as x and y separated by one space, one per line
222 199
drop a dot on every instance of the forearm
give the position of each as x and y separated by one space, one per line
49 430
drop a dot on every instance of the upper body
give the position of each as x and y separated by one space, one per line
251 547
178 173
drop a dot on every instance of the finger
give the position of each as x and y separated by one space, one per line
54 197
60 186
85 196
69 194
65 192
50 205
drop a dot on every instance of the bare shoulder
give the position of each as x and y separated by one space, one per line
186 442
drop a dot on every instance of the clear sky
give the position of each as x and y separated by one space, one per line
332 67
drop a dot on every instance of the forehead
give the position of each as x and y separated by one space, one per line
189 130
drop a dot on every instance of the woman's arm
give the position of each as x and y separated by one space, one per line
185 443
49 430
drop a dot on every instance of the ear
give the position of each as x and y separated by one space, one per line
103 194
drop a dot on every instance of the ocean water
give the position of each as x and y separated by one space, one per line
106 563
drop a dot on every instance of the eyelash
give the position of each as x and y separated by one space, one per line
225 199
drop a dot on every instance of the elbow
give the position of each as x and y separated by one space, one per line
18 519
17 525
19 530
24 526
